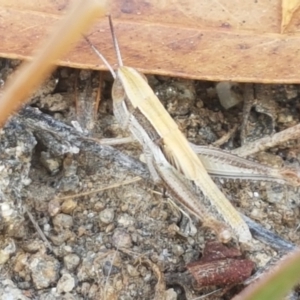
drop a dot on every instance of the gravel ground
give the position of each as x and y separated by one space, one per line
78 225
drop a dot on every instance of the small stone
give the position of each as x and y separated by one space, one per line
110 228
90 185
4 257
51 164
85 287
44 270
67 249
53 207
290 217
227 95
256 194
177 250
99 206
284 118
132 271
107 215
121 239
8 248
126 220
170 294
173 229
33 246
124 207
20 263
143 270
109 269
53 103
275 194
70 166
291 91
68 206
60 238
84 74
9 291
69 183
257 214
71 261
62 221
65 284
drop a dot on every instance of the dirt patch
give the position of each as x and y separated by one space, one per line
123 242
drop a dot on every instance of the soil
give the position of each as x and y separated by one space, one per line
125 242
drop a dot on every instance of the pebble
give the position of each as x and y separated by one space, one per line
59 239
132 271
170 294
65 284
8 248
71 261
69 183
62 221
227 95
9 291
126 220
124 207
51 164
107 215
109 269
33 246
275 194
121 239
143 270
44 270
110 228
53 207
99 206
177 250
68 206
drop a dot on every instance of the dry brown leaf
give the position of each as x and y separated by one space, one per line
289 7
213 40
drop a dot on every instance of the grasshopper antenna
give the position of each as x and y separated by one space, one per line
111 70
115 41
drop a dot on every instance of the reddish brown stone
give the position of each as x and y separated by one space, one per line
220 265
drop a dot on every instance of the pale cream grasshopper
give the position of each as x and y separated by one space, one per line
170 158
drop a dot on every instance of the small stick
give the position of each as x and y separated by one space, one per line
112 186
38 229
248 103
225 138
268 142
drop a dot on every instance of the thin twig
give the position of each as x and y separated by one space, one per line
225 138
112 186
268 142
38 229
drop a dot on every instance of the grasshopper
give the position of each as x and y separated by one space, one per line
169 156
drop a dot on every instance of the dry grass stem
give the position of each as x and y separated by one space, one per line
268 142
112 186
33 73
